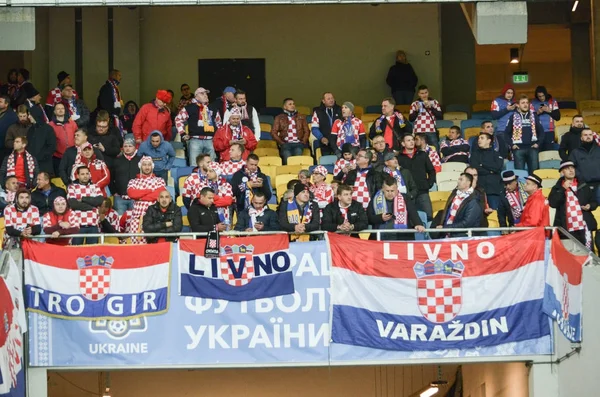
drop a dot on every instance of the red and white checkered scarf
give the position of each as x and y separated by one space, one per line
574 214
517 132
456 202
11 164
516 206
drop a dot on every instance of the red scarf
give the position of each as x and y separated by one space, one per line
11 165
456 202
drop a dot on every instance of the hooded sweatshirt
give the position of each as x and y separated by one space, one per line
499 110
546 119
163 155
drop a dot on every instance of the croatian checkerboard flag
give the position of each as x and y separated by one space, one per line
97 281
564 291
248 268
435 295
12 327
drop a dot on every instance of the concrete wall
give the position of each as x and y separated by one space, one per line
496 380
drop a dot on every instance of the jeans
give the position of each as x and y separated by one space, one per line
290 149
403 97
526 154
433 139
164 174
198 146
423 203
493 201
121 205
88 240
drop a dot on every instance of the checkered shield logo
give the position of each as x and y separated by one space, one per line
237 270
440 299
94 282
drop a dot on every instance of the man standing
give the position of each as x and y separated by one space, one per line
186 97
404 179
536 212
290 131
546 108
223 198
586 159
571 140
106 138
323 193
55 94
232 132
109 97
299 215
488 164
201 126
419 164
203 216
196 181
223 104
77 109
454 148
423 114
161 152
502 109
322 121
391 209
462 208
21 219
73 155
64 131
45 193
144 190
390 125
248 114
258 217
20 164
434 157
84 198
344 214
249 181
8 117
348 129
574 203
514 199
524 135
235 162
379 150
362 178
402 80
154 116
162 217
126 168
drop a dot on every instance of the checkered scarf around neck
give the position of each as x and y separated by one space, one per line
398 177
456 202
11 165
245 187
574 214
400 211
517 133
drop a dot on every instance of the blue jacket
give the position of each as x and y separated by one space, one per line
527 133
163 156
500 113
7 119
547 120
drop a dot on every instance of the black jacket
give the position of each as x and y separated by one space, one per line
86 203
412 190
569 142
240 195
124 171
377 222
468 214
505 216
110 141
398 131
587 163
489 166
269 219
41 143
202 219
401 77
106 100
457 158
45 203
332 217
377 161
31 182
155 220
324 123
557 199
217 107
68 161
421 168
351 178
290 227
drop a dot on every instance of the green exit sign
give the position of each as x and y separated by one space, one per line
520 78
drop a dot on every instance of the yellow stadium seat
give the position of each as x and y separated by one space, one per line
546 191
359 111
549 155
304 110
492 219
563 120
273 206
267 144
443 131
590 113
111 240
262 152
453 167
300 160
548 183
455 116
329 178
404 109
593 119
560 130
446 186
438 200
270 160
269 170
58 183
185 221
290 169
568 114
181 182
589 104
594 127
283 179
547 173
179 201
280 190
596 214
2 227
481 107
180 153
318 154
368 117
306 152
266 127
471 132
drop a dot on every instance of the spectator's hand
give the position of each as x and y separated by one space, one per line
56 234
26 232
420 228
249 229
259 226
585 207
346 169
299 228
325 141
185 137
515 147
512 107
232 142
256 183
488 210
31 119
64 225
168 224
138 141
242 141
100 146
386 217
221 227
102 217
439 227
535 146
377 123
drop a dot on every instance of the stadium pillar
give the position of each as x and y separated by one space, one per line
543 380
37 382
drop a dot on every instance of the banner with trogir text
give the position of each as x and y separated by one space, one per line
438 295
247 268
12 328
96 282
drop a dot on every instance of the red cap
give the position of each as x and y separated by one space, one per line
507 87
164 96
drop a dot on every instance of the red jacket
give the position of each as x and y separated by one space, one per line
536 211
98 169
224 135
150 118
65 136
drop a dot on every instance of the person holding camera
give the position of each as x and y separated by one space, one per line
391 209
546 108
258 217
423 114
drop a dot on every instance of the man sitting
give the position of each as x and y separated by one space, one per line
84 198
21 219
234 132
344 214
462 208
258 217
454 149
247 182
299 214
60 221
203 216
45 193
21 165
162 217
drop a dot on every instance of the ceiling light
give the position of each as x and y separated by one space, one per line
514 55
575 6
430 391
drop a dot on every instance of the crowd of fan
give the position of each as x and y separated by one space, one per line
114 164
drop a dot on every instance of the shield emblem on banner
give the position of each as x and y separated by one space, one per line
439 299
94 282
237 270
